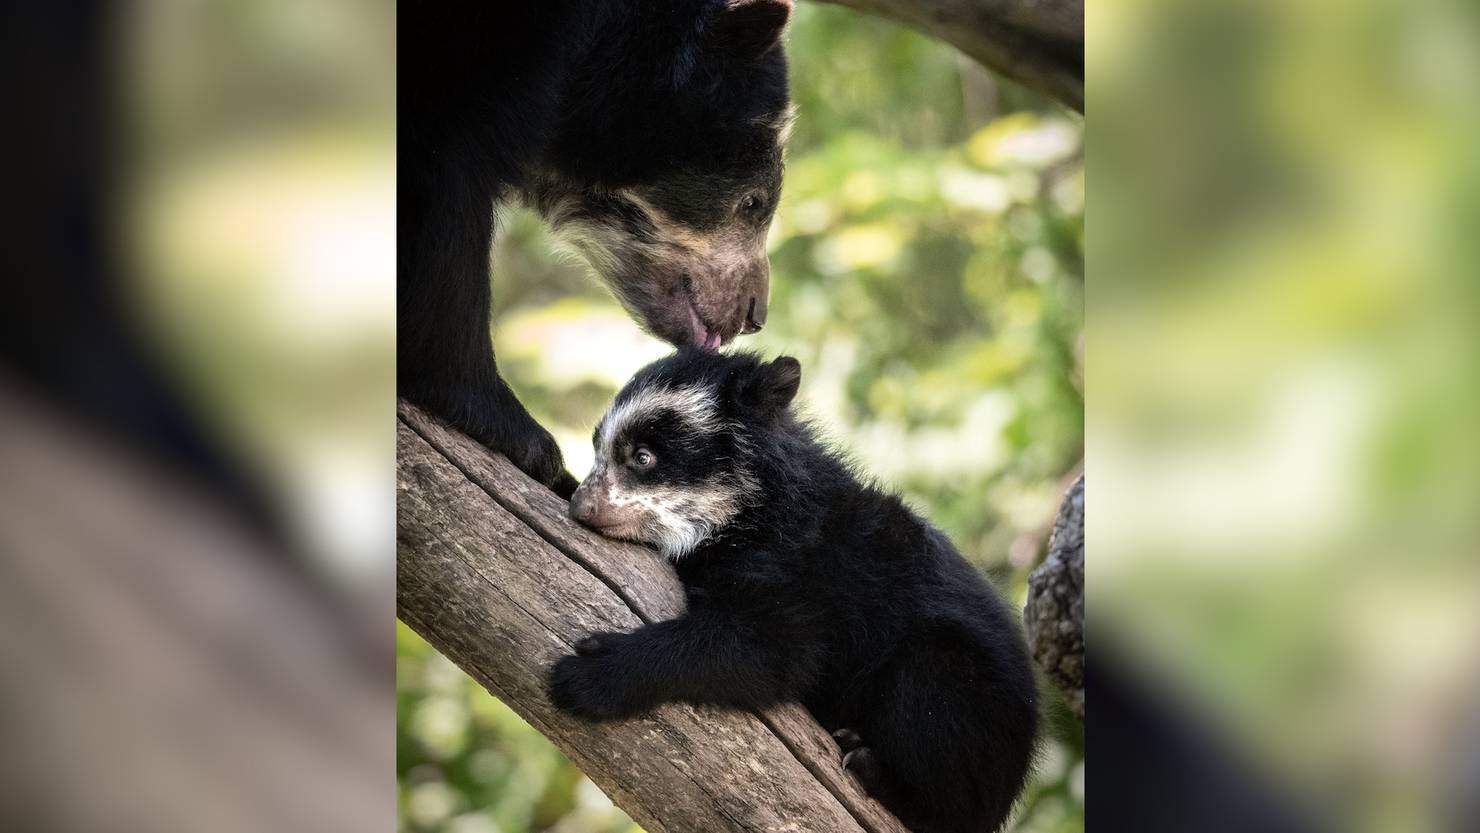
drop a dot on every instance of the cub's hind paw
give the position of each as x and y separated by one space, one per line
864 764
847 740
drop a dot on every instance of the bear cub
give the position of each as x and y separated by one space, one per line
803 583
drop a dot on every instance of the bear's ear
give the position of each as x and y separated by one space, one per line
770 387
748 29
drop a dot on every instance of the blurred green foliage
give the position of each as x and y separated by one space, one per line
927 271
1285 384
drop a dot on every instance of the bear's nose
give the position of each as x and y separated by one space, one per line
755 318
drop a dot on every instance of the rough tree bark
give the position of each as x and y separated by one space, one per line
493 575
1038 43
1054 614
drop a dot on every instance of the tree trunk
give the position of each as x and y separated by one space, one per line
1038 43
1054 614
493 575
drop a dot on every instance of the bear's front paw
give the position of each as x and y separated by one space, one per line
588 684
847 740
533 451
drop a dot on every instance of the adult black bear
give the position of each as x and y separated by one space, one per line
805 584
648 132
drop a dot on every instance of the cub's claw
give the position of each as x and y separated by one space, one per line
847 740
864 765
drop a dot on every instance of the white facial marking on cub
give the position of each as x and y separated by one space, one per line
694 405
683 518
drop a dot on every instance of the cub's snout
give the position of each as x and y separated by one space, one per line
585 509
591 505
609 504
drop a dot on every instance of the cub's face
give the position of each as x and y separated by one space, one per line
665 473
675 455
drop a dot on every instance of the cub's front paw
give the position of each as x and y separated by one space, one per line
589 684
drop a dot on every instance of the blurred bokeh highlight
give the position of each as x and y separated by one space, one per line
1284 380
927 271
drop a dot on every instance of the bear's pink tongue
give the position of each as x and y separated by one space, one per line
702 337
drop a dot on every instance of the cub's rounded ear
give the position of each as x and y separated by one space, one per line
750 28
770 387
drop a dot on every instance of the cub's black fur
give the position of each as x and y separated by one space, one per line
802 583
647 133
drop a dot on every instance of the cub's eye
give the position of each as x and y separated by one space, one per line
643 459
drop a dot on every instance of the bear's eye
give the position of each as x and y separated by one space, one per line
752 205
643 459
